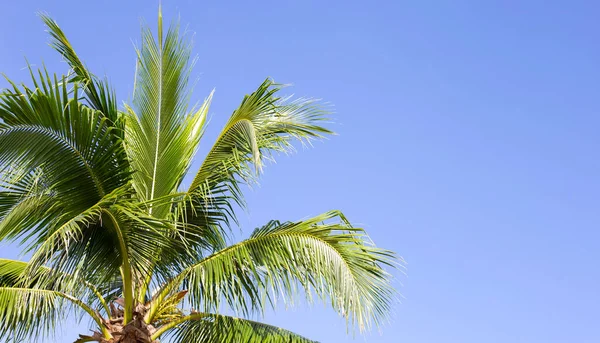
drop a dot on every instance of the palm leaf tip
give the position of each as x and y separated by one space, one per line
161 134
99 94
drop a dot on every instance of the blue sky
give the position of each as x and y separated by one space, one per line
468 143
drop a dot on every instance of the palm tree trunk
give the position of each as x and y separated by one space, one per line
136 331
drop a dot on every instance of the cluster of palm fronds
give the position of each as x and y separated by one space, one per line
94 193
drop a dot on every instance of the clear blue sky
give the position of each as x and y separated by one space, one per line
468 142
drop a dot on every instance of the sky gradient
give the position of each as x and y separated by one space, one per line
468 143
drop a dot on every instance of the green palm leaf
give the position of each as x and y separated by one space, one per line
99 94
48 138
264 123
335 261
214 328
21 274
31 306
161 135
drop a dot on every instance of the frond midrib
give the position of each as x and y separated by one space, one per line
158 115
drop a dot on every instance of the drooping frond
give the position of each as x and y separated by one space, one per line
161 135
99 94
335 261
20 274
28 313
113 237
14 273
214 328
30 307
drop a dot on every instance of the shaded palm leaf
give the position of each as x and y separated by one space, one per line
48 138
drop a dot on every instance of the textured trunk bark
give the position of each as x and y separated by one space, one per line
136 331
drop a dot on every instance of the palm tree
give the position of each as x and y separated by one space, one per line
94 195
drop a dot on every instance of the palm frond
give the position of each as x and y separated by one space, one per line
24 202
19 274
13 273
169 310
215 328
335 261
161 135
113 235
67 244
57 157
52 113
22 215
99 93
262 125
96 241
28 313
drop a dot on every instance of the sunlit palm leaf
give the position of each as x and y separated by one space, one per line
263 124
161 135
15 273
213 328
27 314
31 307
99 94
335 261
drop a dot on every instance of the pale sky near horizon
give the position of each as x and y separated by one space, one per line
468 143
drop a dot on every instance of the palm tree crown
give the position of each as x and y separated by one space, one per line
94 194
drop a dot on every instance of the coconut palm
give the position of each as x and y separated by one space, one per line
94 194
